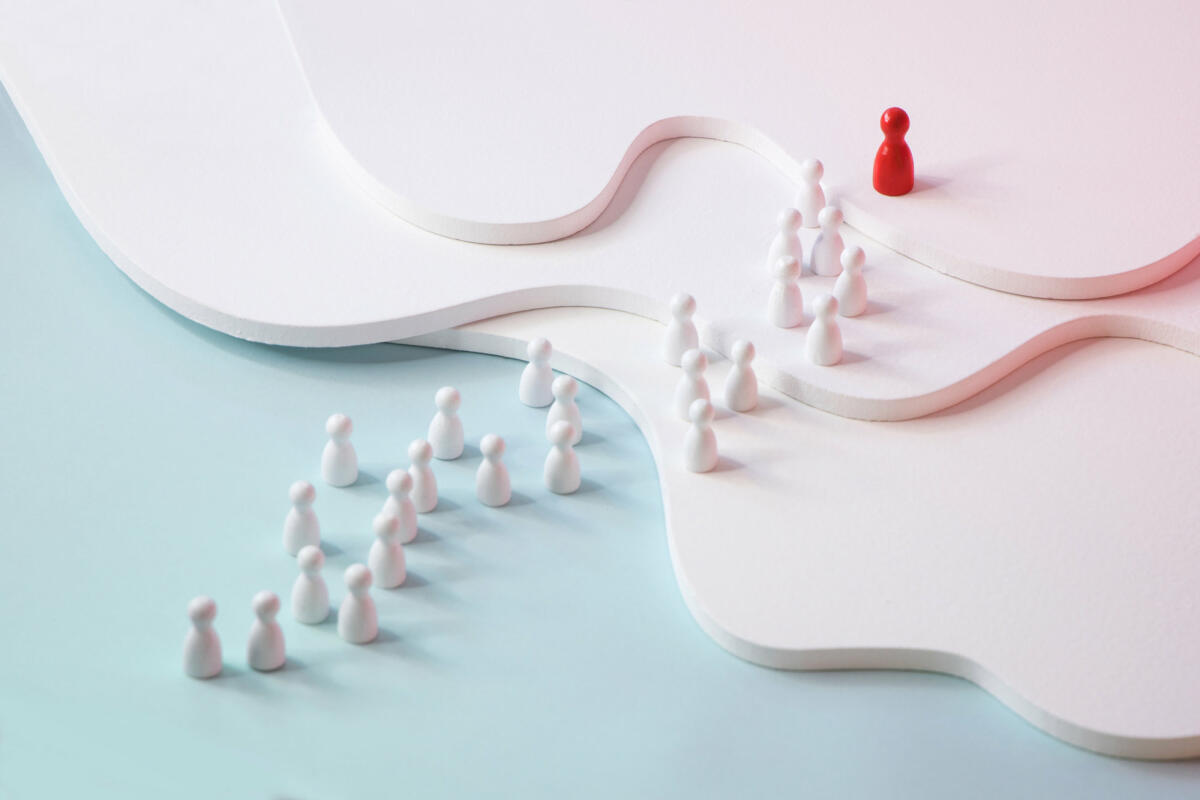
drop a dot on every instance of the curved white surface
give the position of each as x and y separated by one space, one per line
1053 142
1036 542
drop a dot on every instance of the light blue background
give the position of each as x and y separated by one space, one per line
540 650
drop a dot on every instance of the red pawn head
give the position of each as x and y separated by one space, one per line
894 174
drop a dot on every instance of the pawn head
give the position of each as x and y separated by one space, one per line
694 362
683 305
787 268
339 427
853 258
742 352
894 121
825 306
399 482
386 525
420 451
202 611
302 493
701 412
564 388
811 170
789 220
358 578
310 559
830 217
492 447
561 433
539 350
447 399
265 605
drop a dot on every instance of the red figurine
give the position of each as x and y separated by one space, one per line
893 161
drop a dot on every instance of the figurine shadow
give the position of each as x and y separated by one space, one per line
519 499
588 486
851 357
590 438
330 549
925 183
727 464
445 504
875 308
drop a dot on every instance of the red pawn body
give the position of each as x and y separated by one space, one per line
894 173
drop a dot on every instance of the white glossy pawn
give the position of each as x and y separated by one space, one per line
810 199
824 343
565 409
339 462
492 484
300 527
400 503
386 558
851 287
310 595
446 429
561 472
265 650
827 251
202 646
786 243
537 375
700 443
785 304
741 384
692 384
681 334
358 622
424 484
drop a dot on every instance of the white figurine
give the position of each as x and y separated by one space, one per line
446 429
700 443
810 199
202 646
300 527
310 595
424 484
827 251
562 465
785 304
399 502
358 622
851 287
265 650
492 484
787 241
824 344
741 384
537 375
565 409
339 462
692 384
681 334
386 558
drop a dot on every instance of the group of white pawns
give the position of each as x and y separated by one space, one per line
409 492
785 309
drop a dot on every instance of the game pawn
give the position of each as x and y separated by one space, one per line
787 241
265 649
785 303
202 646
827 250
851 287
824 343
386 557
741 384
339 462
492 484
692 385
681 334
400 503
537 376
561 472
894 174
810 198
357 619
565 409
700 443
310 595
446 429
300 527
424 484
